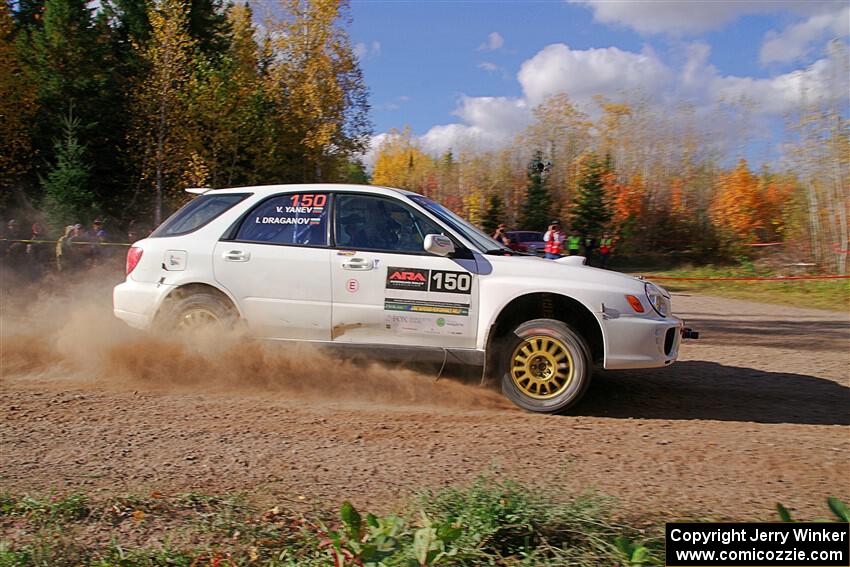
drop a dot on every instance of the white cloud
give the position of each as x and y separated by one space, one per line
786 92
492 122
796 41
363 51
488 123
702 83
689 16
584 73
487 66
494 41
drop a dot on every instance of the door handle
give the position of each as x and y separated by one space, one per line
236 256
360 264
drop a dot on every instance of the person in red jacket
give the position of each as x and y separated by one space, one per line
554 239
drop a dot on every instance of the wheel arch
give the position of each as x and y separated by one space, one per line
547 305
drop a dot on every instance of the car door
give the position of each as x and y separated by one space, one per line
277 267
387 289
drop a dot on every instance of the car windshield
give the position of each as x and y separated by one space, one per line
472 233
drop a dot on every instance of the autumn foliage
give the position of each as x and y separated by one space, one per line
750 208
170 93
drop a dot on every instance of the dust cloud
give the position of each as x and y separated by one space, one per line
65 331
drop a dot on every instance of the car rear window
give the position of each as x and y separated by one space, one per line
196 213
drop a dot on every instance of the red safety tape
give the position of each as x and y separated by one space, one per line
778 278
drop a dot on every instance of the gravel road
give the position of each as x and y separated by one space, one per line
755 412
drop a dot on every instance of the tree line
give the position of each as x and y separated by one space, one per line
657 177
113 111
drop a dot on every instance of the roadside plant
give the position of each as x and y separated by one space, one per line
838 507
636 554
377 541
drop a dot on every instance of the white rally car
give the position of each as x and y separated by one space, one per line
397 274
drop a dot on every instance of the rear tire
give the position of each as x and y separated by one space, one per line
197 310
545 366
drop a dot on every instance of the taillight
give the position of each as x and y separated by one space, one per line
134 254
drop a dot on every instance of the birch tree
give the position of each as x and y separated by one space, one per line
160 102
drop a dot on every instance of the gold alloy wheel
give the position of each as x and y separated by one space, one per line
542 367
197 318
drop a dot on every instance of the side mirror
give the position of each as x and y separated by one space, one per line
438 244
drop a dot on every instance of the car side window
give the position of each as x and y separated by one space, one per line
366 222
299 219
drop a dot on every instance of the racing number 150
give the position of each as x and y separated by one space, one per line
451 281
309 200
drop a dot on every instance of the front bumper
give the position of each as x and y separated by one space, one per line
136 303
638 342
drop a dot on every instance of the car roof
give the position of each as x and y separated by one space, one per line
292 187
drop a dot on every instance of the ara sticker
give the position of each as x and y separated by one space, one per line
413 279
352 285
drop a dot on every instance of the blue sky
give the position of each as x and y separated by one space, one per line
468 73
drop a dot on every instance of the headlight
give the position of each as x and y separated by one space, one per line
659 299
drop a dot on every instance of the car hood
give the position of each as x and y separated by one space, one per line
557 273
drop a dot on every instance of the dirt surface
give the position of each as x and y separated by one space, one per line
756 412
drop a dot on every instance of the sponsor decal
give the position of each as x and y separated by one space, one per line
425 324
440 281
436 307
407 278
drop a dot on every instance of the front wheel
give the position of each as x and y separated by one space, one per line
545 366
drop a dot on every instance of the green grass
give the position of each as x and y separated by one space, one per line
490 522
818 294
487 523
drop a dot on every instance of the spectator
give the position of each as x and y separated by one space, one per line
501 236
96 236
589 245
606 246
69 257
574 243
554 239
38 251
